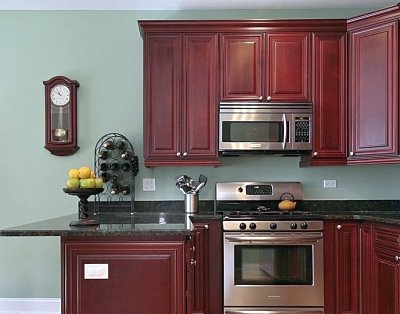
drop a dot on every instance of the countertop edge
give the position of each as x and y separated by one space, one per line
45 230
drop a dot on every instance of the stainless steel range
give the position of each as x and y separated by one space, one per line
273 260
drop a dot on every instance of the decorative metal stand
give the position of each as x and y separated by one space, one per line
115 161
83 195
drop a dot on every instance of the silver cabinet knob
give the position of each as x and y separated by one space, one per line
269 98
206 227
397 258
260 98
338 227
178 154
315 154
193 262
184 154
351 154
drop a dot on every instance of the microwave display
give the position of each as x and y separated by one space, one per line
255 131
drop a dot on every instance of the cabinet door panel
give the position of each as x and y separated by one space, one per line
386 282
347 264
373 90
366 268
329 59
143 277
161 112
200 96
242 66
288 67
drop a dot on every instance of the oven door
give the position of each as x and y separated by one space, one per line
282 269
255 131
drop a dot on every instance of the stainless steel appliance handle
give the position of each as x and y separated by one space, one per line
288 311
274 239
284 131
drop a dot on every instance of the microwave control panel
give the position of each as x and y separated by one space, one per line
302 127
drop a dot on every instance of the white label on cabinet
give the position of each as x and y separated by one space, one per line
96 271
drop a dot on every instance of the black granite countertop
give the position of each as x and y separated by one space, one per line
174 223
113 224
388 217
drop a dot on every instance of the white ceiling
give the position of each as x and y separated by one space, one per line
188 4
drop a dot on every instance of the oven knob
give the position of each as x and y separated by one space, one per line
240 190
242 226
253 226
293 225
303 225
273 225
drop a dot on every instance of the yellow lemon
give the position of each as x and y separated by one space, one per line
84 172
73 173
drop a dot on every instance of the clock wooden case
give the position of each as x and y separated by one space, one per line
61 115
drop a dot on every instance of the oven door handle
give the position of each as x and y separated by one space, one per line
275 239
273 311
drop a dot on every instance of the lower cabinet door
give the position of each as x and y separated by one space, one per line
386 282
123 277
341 267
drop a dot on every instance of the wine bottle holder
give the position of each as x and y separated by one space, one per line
115 161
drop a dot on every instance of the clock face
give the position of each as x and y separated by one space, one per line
60 95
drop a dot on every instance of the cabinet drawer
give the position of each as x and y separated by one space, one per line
387 236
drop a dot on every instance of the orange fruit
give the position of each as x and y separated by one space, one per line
84 172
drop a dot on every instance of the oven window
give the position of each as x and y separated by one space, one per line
257 131
273 265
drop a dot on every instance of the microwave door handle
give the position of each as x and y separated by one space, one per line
284 131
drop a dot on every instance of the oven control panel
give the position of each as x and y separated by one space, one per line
259 189
262 225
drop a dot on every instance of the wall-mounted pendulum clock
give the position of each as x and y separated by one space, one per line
61 115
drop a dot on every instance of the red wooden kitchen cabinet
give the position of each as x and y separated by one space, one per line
342 267
373 87
205 290
385 283
265 66
180 99
366 268
329 100
242 66
143 277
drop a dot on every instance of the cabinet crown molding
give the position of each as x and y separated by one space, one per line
256 25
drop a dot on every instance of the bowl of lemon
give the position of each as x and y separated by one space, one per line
83 183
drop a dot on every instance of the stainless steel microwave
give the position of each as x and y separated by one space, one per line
246 127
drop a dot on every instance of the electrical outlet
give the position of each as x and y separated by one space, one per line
149 184
96 271
329 184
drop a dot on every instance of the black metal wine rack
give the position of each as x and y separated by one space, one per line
115 161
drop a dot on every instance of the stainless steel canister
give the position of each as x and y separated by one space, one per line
192 203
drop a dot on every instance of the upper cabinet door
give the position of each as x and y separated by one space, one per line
162 81
181 100
242 66
200 97
288 69
329 99
258 69
374 90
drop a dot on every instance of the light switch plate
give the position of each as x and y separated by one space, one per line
149 184
328 184
96 271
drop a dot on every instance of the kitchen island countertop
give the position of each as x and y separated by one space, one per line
113 224
163 224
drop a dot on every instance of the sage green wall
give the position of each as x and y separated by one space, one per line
103 51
